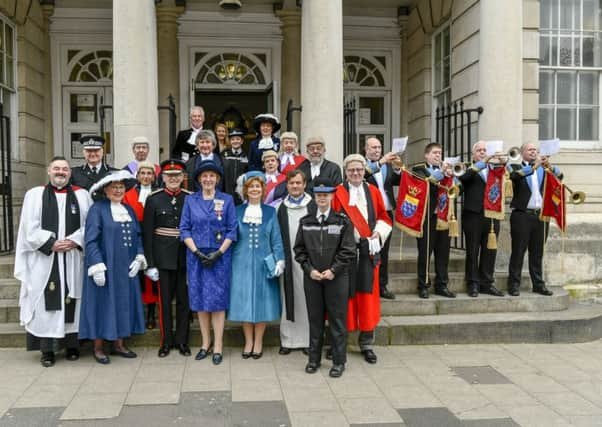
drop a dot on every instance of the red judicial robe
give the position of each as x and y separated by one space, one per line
363 307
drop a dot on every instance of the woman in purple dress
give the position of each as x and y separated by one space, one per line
208 228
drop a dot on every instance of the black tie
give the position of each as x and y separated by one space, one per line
322 218
94 169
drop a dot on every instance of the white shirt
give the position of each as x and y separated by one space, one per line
253 214
120 213
319 214
315 170
380 181
193 134
535 200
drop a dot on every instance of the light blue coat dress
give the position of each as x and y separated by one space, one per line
253 297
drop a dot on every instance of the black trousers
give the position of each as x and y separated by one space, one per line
173 283
438 243
327 297
480 261
528 232
383 275
70 341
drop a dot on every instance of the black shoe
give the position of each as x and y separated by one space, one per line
492 290
256 356
217 358
542 290
444 292
164 351
127 353
203 353
102 358
513 291
473 291
183 349
423 293
336 371
369 356
312 367
72 354
47 360
329 353
386 294
284 351
246 354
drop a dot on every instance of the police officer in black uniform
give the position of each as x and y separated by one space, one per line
324 248
95 168
166 256
236 163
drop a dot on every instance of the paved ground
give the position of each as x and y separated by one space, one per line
425 386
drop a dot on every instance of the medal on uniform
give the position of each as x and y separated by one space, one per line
218 207
73 209
218 236
173 201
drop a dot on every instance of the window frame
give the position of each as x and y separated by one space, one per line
444 93
11 112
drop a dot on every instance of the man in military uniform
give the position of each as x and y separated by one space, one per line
236 163
325 247
95 168
166 256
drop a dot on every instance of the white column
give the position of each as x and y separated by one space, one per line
500 71
322 74
134 78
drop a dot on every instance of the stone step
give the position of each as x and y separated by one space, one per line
408 263
412 305
7 263
9 288
407 283
9 310
578 323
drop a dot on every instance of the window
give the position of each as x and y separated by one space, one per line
442 67
570 66
7 75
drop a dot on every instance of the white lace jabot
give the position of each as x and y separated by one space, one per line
252 214
120 213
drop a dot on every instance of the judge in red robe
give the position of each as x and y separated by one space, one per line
363 204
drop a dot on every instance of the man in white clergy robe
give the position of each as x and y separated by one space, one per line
49 263
294 324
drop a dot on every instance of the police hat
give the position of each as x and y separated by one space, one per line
172 166
208 165
266 118
92 142
323 185
236 132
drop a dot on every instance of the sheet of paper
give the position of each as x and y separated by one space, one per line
549 147
494 147
399 144
451 160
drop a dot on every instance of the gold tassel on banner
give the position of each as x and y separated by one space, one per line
453 222
508 190
491 238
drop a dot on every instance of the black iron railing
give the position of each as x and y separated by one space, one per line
454 131
7 237
349 132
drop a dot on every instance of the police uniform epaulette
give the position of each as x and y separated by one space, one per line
186 191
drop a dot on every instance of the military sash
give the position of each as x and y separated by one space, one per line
493 200
412 202
553 201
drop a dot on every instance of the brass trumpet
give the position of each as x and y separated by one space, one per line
459 169
453 192
512 156
577 197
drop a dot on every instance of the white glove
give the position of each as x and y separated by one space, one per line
134 268
374 246
279 268
99 278
152 273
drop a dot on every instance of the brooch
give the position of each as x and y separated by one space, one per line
218 207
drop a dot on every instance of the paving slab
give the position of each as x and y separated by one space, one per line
89 406
369 410
153 393
318 419
480 375
46 396
429 417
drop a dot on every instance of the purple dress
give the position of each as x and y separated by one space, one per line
208 226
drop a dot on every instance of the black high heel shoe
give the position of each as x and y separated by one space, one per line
256 355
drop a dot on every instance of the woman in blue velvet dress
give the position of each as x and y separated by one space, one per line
254 297
208 228
111 301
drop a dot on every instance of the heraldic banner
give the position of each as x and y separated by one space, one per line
554 202
411 203
444 208
493 202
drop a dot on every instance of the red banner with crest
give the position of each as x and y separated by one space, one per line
444 203
554 202
411 203
493 202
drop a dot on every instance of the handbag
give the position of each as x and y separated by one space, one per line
270 265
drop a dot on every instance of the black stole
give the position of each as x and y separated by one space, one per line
362 268
50 222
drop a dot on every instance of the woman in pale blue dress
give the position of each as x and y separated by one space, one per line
255 291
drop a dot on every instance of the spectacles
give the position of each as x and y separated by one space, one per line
355 170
